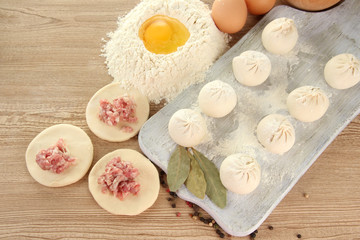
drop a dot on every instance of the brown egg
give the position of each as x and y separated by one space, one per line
312 5
229 15
259 7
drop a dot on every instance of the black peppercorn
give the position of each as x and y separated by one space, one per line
253 235
298 236
173 205
271 227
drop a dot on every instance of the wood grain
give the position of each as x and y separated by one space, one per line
50 67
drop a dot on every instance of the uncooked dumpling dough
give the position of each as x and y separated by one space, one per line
217 99
116 133
251 68
307 103
187 127
280 36
78 145
342 71
240 173
276 133
131 204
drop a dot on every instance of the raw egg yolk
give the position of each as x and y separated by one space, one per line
163 35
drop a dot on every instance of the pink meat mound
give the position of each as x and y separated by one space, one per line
121 110
55 158
118 178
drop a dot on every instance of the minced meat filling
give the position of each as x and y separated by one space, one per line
118 178
120 110
55 158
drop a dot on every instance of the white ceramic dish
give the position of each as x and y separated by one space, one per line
322 35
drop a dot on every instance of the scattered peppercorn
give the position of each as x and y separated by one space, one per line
253 235
271 227
202 219
196 214
306 195
173 194
256 231
211 224
170 199
178 214
221 235
173 205
167 190
195 217
298 236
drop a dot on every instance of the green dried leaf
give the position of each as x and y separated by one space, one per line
178 168
215 190
196 182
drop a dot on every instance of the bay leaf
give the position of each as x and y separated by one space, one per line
178 168
214 188
196 182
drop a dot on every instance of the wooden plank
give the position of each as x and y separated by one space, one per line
55 45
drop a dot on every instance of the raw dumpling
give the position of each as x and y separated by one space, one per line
307 103
276 133
280 36
342 71
122 131
217 99
187 127
251 68
148 179
78 145
240 174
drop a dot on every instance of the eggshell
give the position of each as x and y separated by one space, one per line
259 7
313 5
229 15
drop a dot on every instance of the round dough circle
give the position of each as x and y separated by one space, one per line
251 68
114 133
307 103
280 36
78 145
217 99
276 133
240 174
131 204
342 71
187 127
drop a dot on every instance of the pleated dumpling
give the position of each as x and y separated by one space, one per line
217 99
280 36
240 173
307 103
187 127
342 71
251 68
276 133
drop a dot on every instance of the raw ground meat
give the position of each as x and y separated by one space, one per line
118 178
121 110
55 158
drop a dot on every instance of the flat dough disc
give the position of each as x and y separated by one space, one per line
77 143
114 133
131 204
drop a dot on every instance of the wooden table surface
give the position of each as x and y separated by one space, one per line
50 67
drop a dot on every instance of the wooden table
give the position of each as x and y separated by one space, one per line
50 67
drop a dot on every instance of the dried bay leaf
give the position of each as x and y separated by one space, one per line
178 168
196 182
214 188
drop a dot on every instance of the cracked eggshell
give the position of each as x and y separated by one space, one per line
251 68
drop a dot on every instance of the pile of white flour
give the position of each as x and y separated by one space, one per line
160 76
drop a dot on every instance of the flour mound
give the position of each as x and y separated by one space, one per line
160 76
